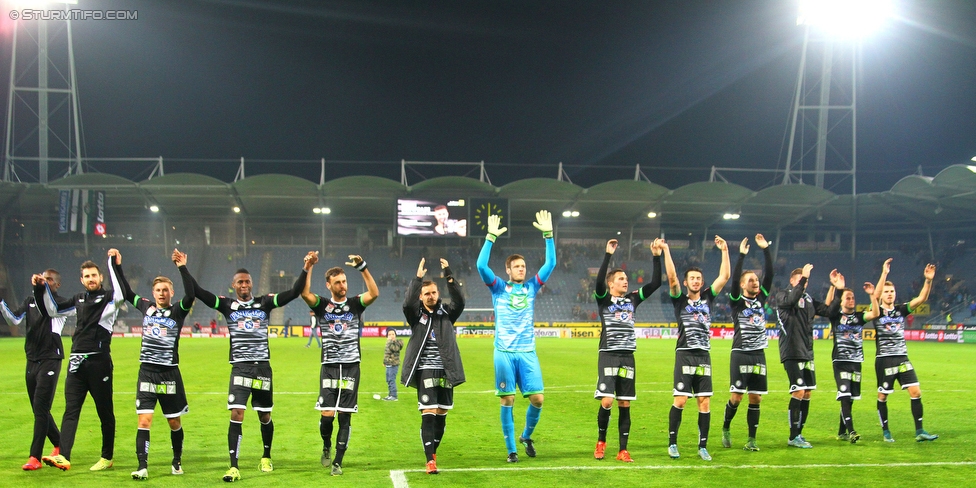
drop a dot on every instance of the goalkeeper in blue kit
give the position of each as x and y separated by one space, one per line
516 363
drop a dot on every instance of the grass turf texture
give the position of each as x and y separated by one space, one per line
385 434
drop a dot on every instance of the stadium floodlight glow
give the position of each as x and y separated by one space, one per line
973 158
566 213
326 210
651 215
845 18
153 208
972 168
731 216
575 213
316 210
237 209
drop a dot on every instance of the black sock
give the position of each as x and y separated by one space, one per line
752 417
674 422
342 438
427 434
440 423
704 420
883 414
917 413
842 426
730 410
602 423
234 441
794 418
267 436
325 429
846 404
804 411
623 426
142 447
176 438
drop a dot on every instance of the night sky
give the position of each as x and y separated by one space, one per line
600 86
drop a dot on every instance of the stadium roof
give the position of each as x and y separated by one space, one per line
945 200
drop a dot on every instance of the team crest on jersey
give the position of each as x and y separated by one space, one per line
622 316
757 320
432 335
345 308
338 327
423 319
519 302
156 331
802 303
246 324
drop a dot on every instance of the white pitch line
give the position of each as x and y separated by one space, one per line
707 466
399 479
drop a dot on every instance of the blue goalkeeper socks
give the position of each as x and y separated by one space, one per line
508 428
531 419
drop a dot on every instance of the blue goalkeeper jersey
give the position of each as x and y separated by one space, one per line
514 303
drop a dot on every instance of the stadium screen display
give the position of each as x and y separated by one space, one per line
447 218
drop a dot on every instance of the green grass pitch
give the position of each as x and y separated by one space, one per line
385 436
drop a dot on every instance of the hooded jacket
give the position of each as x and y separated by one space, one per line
441 322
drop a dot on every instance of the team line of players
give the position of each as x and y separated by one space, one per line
433 362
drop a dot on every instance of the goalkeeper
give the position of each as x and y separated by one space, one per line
516 364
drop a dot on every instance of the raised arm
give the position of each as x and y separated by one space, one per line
116 265
655 282
788 299
46 304
736 292
453 289
875 310
494 230
543 222
837 282
725 270
310 298
601 276
15 316
179 259
885 268
673 284
411 299
767 279
205 296
372 291
923 294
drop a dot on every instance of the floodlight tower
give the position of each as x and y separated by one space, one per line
823 139
42 96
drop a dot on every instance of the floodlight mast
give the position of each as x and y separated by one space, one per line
826 92
69 136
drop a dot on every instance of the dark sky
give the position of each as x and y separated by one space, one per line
522 85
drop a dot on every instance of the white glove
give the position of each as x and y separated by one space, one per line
493 227
543 222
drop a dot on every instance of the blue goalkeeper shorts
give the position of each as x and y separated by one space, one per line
519 369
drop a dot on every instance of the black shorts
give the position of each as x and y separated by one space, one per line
251 379
615 376
802 374
162 383
692 373
433 390
747 372
847 375
891 368
339 388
